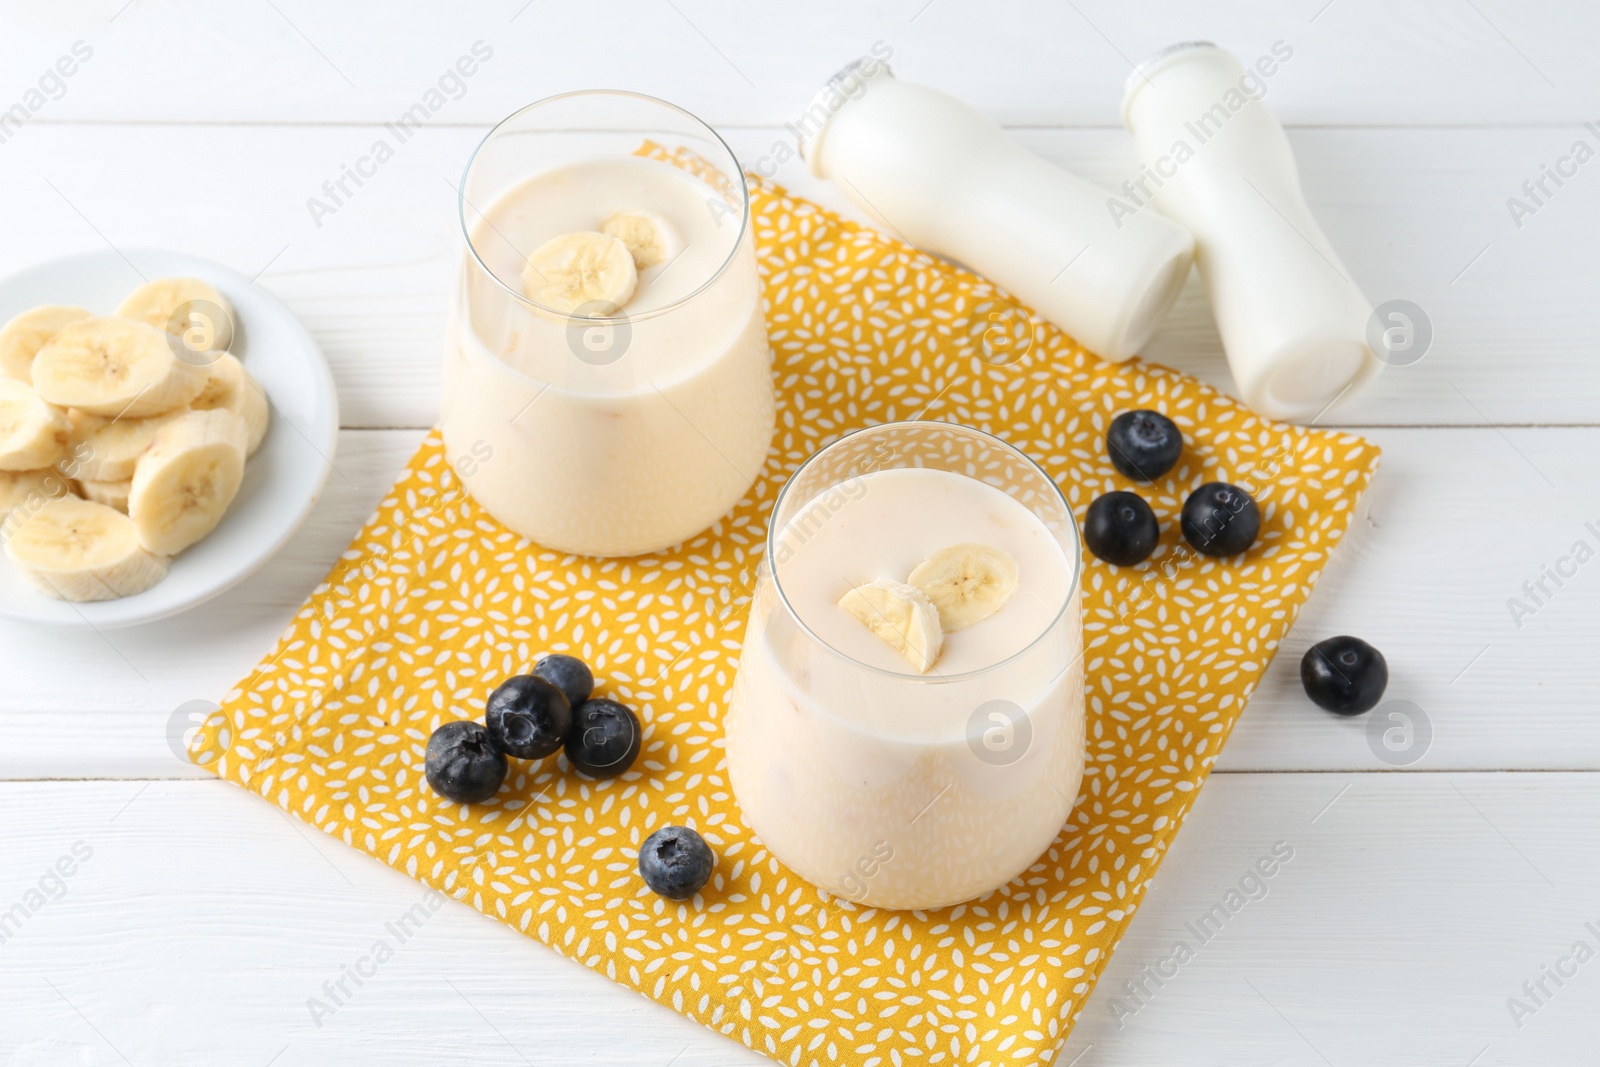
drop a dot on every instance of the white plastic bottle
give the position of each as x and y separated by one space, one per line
1292 320
943 177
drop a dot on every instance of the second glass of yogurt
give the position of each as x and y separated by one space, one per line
608 386
896 761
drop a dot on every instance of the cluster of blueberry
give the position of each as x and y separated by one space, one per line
531 716
1344 675
1218 519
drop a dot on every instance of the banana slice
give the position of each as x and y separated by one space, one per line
24 492
77 550
901 616
650 238
115 367
32 433
111 494
107 450
187 308
586 272
23 336
184 483
966 582
230 388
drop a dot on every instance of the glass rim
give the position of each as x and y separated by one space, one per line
1075 561
462 204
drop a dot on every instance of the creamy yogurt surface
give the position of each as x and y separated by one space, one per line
881 525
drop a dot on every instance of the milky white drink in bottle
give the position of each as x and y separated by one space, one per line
894 787
1292 320
606 429
940 175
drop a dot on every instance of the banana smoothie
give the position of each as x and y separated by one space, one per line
906 728
608 389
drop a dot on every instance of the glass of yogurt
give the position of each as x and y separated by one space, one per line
889 756
608 386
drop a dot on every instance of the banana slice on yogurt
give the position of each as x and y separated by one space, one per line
650 238
901 616
967 583
584 273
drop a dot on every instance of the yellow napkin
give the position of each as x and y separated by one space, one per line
434 604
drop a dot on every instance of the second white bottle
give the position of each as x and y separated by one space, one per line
1214 158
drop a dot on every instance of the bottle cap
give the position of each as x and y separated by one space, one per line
1141 74
846 84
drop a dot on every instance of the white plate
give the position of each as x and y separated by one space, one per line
282 480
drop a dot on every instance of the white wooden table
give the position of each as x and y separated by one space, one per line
1419 899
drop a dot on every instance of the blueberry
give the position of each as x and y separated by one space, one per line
569 674
1220 519
676 862
1120 528
462 763
1144 445
603 740
528 717
1344 675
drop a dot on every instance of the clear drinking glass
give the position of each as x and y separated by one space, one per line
607 431
890 788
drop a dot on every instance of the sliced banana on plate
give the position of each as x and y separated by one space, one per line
184 483
230 388
111 494
115 367
122 439
22 492
650 238
586 272
967 583
33 434
106 450
901 616
78 550
24 335
188 308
